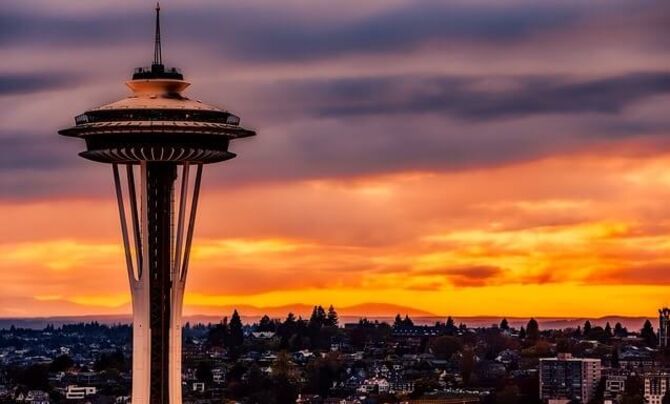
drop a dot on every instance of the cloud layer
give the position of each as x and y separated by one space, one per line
474 149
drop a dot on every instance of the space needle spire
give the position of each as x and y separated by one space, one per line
157 141
158 56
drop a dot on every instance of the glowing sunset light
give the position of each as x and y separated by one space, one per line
416 156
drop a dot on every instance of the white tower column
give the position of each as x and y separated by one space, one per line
157 301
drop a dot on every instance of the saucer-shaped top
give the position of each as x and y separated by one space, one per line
157 123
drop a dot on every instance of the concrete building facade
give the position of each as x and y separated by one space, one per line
565 378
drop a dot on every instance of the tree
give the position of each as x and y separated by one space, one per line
61 364
114 360
563 345
288 328
285 388
504 325
608 332
450 326
266 324
598 333
316 322
35 377
647 334
317 319
236 334
331 318
522 333
407 321
204 372
322 372
634 390
587 329
219 334
282 365
398 320
444 347
619 330
578 332
532 329
467 364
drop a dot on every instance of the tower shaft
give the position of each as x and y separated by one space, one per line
160 178
157 242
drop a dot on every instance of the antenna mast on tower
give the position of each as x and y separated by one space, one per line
158 56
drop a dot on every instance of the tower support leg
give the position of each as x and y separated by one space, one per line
160 248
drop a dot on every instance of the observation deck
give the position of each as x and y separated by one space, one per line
157 123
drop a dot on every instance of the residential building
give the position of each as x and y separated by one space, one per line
565 378
655 386
79 393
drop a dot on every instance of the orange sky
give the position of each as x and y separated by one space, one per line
580 235
463 157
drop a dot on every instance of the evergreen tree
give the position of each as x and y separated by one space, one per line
647 333
522 333
219 334
316 322
290 319
407 321
578 332
608 332
236 333
266 324
398 320
288 327
619 330
533 329
504 325
318 318
450 326
321 313
587 329
332 319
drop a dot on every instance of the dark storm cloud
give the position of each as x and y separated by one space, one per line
25 83
23 27
278 32
35 152
468 98
356 119
280 36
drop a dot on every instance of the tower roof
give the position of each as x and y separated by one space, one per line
157 122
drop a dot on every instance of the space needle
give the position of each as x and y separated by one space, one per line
157 141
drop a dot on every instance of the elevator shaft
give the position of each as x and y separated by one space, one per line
160 179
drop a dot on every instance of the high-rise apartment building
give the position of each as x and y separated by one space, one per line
565 378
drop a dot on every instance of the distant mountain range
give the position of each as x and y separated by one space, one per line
305 310
372 311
